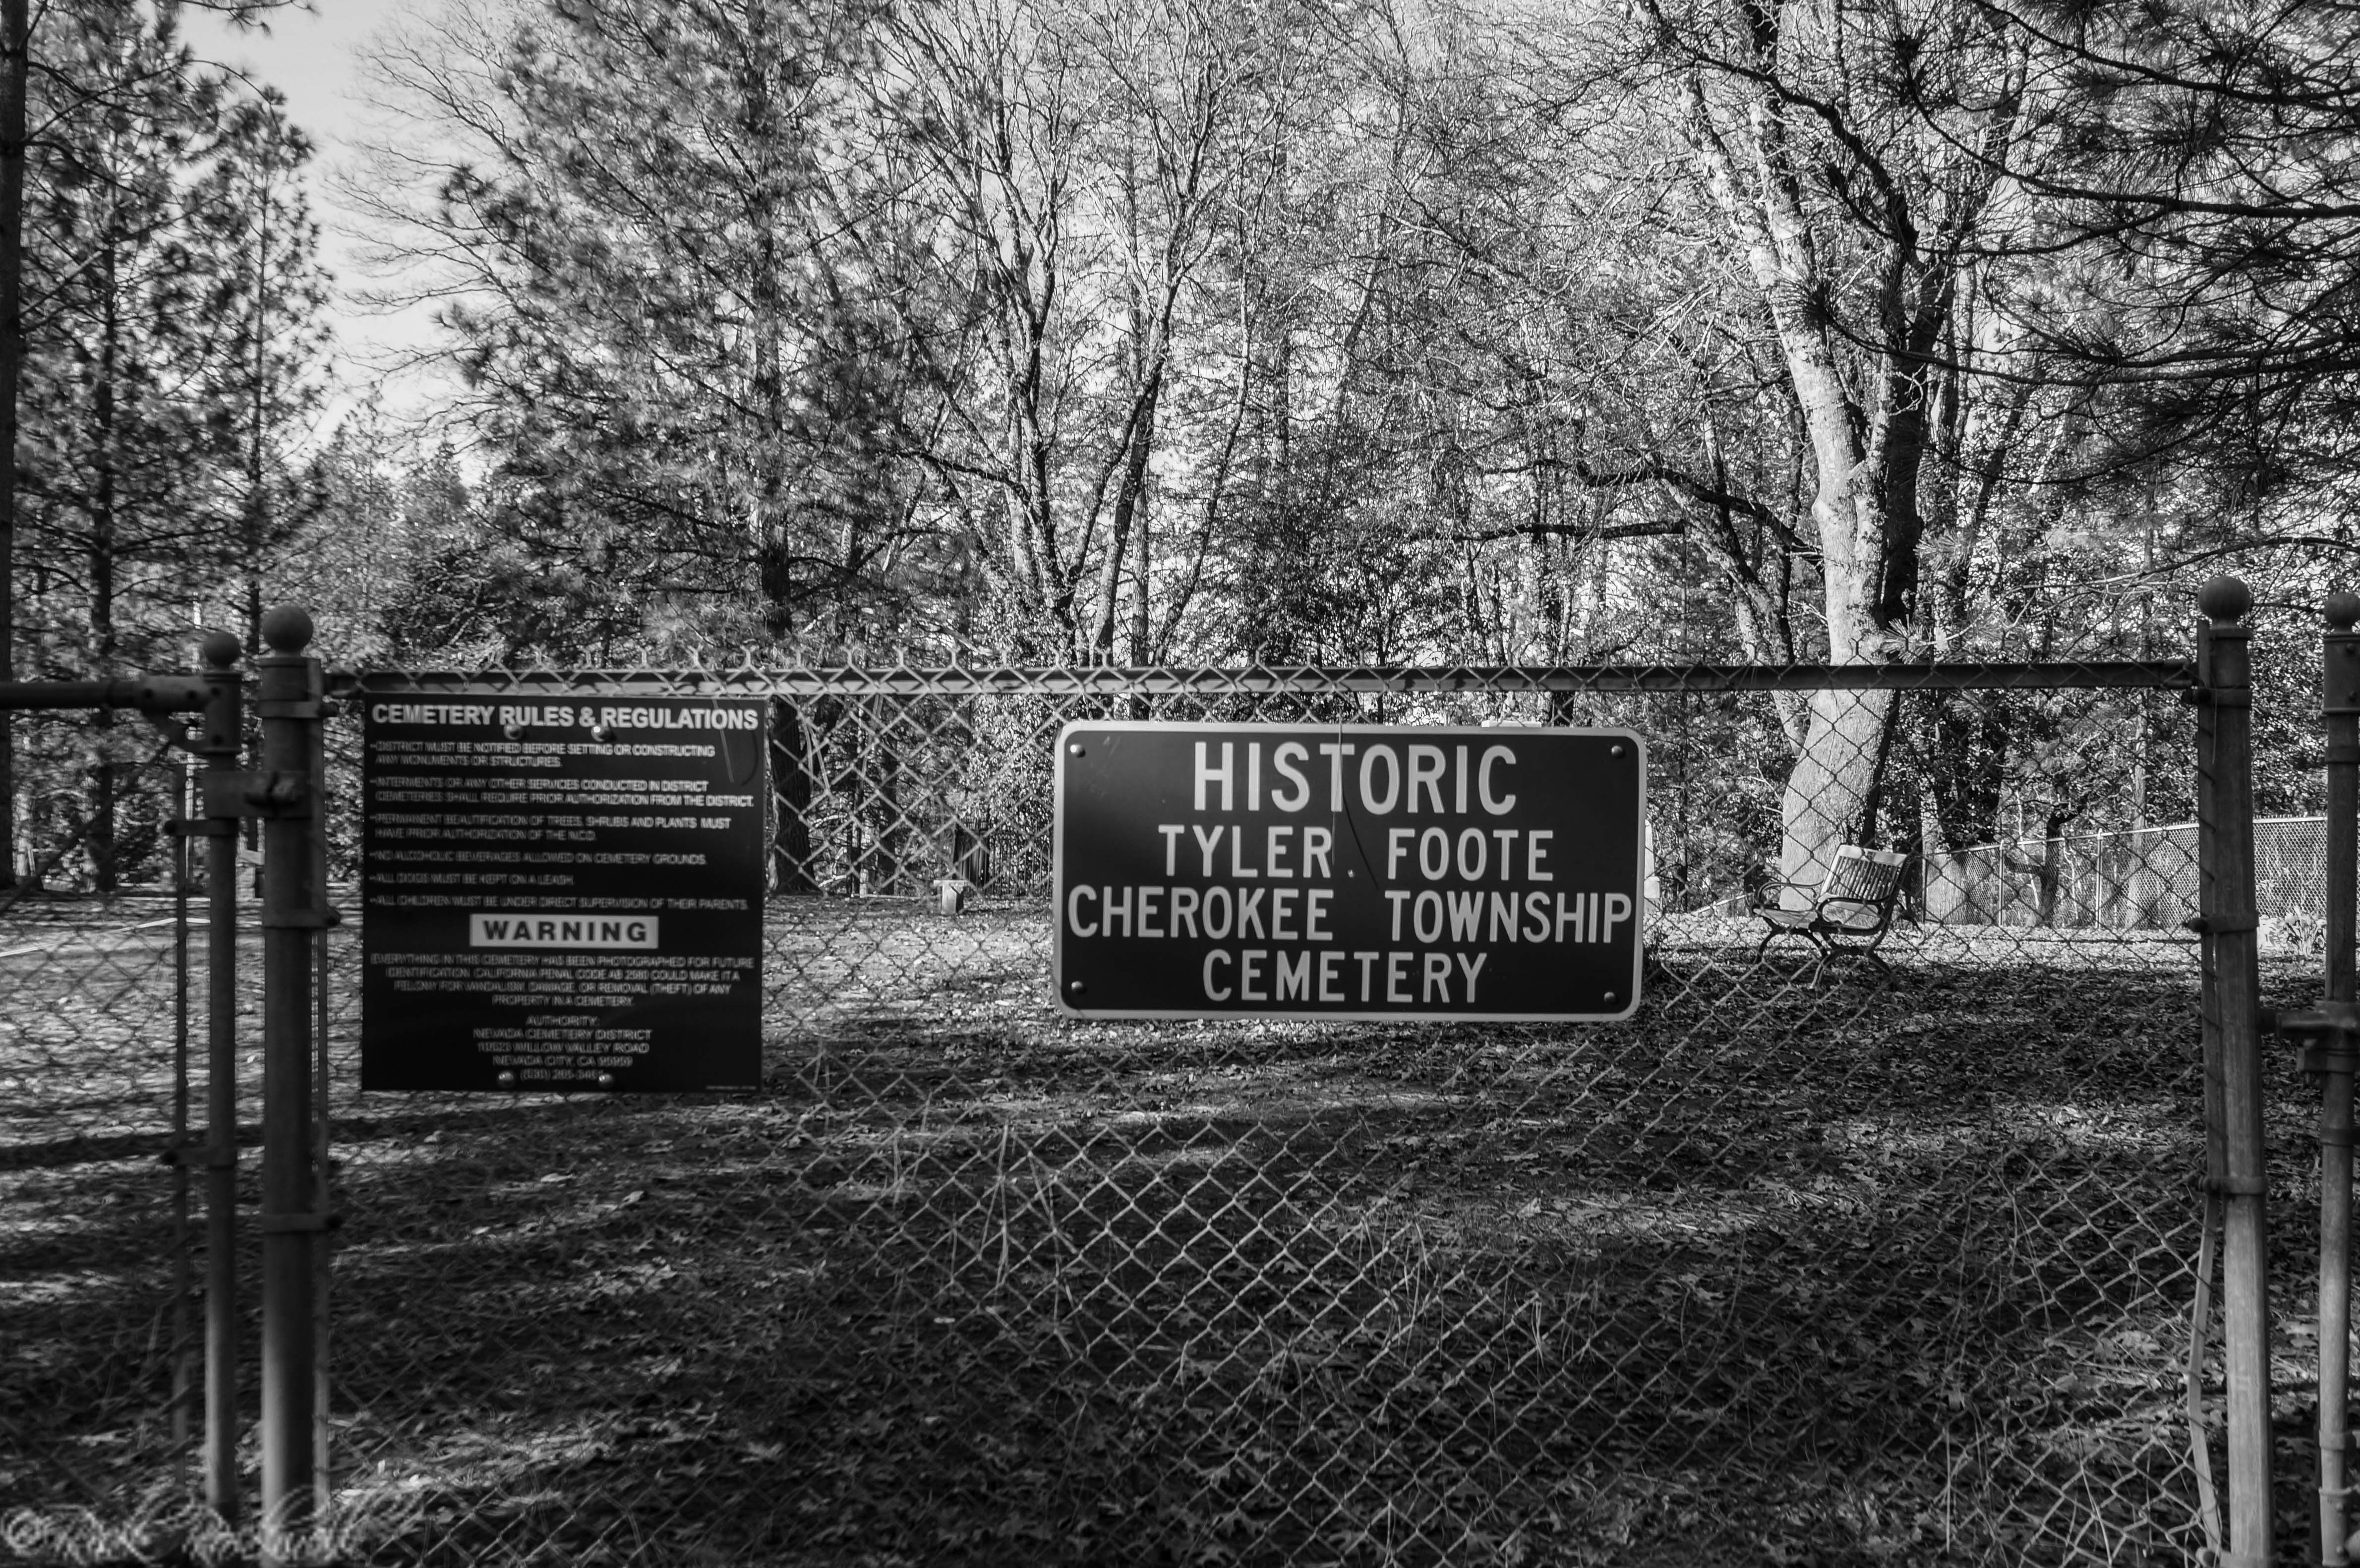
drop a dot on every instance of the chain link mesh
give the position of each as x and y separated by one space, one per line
101 1226
2140 878
1887 1262
1894 1262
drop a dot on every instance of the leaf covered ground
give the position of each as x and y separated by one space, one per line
1895 1269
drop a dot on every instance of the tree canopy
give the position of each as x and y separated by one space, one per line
1160 331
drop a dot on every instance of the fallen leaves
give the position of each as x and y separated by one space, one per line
1834 1277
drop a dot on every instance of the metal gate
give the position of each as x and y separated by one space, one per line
131 1403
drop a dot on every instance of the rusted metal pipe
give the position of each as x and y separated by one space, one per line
183 1275
2234 974
218 740
148 694
321 1197
2340 705
1945 675
288 698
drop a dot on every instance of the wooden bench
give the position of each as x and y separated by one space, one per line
1850 912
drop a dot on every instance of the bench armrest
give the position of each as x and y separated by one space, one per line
1878 910
1766 898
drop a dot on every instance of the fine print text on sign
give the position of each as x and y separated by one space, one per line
1355 871
562 893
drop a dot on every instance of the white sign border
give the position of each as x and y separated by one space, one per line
1396 1015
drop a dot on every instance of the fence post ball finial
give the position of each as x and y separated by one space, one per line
288 629
218 648
2224 599
2343 611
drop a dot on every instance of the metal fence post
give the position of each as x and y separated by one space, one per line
289 691
2330 1037
183 1281
2341 702
2332 1056
2229 923
219 740
323 1110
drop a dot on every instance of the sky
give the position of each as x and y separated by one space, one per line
315 58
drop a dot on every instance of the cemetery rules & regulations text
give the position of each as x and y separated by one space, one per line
561 892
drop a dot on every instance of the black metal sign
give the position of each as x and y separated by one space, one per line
1355 871
562 893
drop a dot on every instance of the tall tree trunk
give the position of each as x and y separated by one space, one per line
257 505
1141 630
1827 794
98 842
766 530
791 798
15 58
1140 627
1859 472
1130 512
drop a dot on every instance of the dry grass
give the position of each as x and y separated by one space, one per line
1895 1271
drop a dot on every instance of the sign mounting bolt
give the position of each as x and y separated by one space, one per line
1074 986
1610 998
1074 749
1614 750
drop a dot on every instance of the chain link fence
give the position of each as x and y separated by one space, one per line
1898 1266
101 1224
2143 878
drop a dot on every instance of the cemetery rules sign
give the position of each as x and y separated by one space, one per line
562 893
1353 871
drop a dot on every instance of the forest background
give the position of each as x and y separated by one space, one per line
1181 332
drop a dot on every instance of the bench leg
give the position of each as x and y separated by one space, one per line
1868 952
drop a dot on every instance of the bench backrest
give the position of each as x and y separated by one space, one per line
1865 875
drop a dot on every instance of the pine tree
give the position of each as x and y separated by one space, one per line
670 314
156 390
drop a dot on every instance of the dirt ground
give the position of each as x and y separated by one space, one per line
1896 1269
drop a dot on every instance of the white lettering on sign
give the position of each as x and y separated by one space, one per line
1335 752
1370 800
1284 760
1224 776
431 712
1401 897
1426 774
552 715
684 718
1505 803
562 930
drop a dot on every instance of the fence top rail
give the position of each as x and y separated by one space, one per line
2115 835
148 694
1118 680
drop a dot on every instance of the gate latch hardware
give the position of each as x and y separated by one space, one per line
238 793
294 708
174 730
281 1225
200 827
2328 1034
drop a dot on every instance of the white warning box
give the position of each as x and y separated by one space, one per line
563 931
